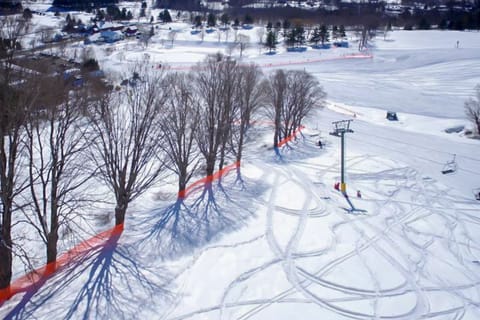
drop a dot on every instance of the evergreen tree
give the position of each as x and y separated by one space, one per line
285 26
335 32
225 19
248 19
315 38
324 36
343 34
269 26
277 27
443 24
197 21
211 20
27 14
299 35
423 24
290 38
271 42
164 16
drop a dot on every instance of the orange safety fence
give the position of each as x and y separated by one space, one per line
290 137
208 179
183 193
35 278
291 62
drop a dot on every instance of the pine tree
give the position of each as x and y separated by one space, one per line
290 38
271 42
316 37
211 20
324 36
164 16
342 32
299 35
335 32
225 19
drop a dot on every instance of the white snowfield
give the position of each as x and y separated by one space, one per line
278 242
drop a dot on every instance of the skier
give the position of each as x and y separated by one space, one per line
319 143
359 194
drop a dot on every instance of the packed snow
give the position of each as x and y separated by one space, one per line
278 241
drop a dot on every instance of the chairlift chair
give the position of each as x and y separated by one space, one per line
476 193
450 166
392 116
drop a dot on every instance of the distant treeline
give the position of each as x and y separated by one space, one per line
370 14
82 4
8 7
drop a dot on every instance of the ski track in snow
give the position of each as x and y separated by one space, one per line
388 232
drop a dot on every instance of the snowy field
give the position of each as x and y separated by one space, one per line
277 242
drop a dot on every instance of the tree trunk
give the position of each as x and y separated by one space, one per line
210 165
221 162
52 240
6 245
240 147
120 214
182 180
5 259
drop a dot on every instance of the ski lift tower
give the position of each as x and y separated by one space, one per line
340 128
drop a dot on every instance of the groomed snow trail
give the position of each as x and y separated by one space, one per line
413 255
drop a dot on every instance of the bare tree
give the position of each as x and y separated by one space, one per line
229 77
46 34
172 35
306 95
179 124
277 96
260 33
243 41
128 137
472 109
215 83
250 97
14 105
57 140
293 95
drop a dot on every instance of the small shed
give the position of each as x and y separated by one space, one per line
111 36
392 116
130 31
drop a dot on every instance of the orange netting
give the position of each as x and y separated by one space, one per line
289 138
32 279
208 179
36 277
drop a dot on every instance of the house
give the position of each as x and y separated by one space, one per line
107 26
130 31
111 36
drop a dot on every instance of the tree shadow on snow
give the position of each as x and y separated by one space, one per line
300 148
105 282
208 213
